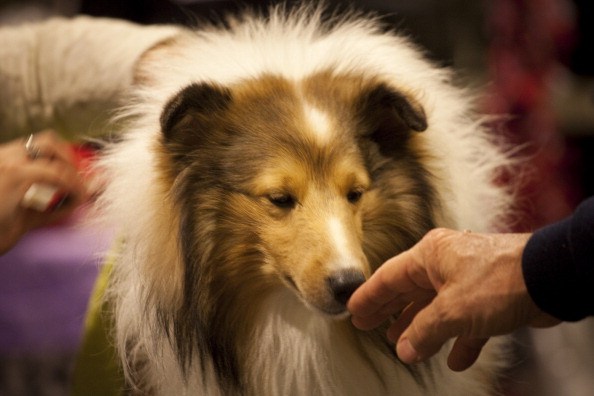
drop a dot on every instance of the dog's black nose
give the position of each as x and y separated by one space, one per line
344 283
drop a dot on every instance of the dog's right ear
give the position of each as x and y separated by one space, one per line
391 117
190 114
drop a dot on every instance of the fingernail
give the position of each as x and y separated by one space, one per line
406 352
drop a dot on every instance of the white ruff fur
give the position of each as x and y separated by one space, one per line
285 355
286 361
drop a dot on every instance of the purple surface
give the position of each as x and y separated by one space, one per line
45 284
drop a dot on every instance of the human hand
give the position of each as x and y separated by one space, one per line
452 284
53 166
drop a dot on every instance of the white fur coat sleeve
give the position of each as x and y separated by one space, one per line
68 73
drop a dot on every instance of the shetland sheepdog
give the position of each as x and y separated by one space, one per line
268 167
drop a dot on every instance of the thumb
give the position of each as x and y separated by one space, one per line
425 335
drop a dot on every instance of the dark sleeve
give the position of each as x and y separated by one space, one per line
558 265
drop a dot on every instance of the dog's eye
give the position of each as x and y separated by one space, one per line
285 201
355 195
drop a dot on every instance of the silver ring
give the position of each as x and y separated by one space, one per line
32 150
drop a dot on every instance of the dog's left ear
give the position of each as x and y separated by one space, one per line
189 116
390 117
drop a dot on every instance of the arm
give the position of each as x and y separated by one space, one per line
558 265
68 74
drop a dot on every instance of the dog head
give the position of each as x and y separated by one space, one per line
308 184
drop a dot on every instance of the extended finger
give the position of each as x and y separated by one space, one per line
389 282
